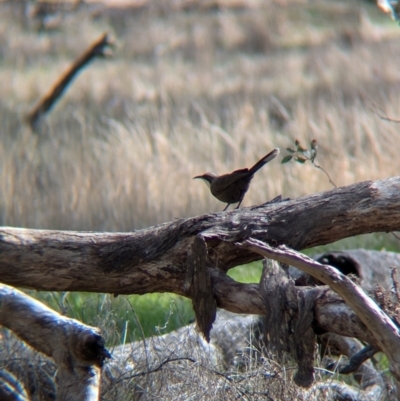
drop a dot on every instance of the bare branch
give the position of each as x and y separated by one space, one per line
377 110
326 173
385 331
96 49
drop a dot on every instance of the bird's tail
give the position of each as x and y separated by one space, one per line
264 160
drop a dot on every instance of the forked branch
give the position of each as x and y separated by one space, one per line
382 327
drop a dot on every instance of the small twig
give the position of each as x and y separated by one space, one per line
394 234
301 154
321 168
156 369
378 111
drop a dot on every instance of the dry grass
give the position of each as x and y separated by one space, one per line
179 367
188 92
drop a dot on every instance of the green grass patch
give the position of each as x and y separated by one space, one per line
124 318
250 273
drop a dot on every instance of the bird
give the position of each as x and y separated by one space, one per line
231 188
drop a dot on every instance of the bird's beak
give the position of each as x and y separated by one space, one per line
204 178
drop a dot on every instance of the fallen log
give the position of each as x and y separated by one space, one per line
165 259
78 350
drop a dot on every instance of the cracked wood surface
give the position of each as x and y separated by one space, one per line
155 259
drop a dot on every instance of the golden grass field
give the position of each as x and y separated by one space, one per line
188 92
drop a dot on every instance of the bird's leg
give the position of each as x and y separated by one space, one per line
237 207
226 207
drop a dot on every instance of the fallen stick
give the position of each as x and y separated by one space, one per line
96 49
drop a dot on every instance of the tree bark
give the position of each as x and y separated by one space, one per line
385 331
155 259
77 349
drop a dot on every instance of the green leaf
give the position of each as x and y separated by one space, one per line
290 150
286 159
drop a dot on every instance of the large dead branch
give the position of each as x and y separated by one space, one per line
157 259
77 349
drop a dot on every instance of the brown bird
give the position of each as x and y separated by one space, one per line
231 188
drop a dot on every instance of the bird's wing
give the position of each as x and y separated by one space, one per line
226 180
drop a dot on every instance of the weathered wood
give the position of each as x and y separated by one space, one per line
77 349
280 298
288 326
201 290
155 259
384 330
332 314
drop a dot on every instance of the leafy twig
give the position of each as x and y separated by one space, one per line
301 155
